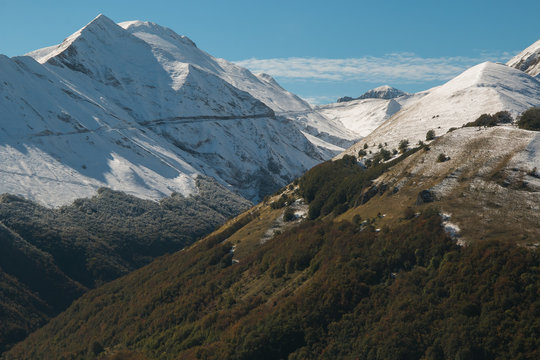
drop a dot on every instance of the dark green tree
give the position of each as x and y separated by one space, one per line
403 145
530 119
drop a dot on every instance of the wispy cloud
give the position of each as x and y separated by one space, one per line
402 67
321 99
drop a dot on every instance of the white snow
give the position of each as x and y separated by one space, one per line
452 229
484 88
172 48
141 109
528 60
361 116
383 92
321 143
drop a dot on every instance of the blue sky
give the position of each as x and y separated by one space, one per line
320 50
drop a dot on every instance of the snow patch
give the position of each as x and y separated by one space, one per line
452 229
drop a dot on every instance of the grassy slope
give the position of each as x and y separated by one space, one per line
488 195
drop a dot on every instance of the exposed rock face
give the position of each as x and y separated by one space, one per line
528 60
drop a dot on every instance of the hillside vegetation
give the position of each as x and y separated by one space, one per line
50 257
331 287
530 119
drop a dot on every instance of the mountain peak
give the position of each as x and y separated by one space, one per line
101 18
147 27
382 92
99 21
101 27
486 75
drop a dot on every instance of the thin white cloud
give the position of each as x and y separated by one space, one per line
402 67
322 99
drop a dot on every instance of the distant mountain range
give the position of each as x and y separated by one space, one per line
381 92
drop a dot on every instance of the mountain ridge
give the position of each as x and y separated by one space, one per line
134 107
528 60
484 88
382 92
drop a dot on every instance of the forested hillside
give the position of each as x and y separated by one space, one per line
51 256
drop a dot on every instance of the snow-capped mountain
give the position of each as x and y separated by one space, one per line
381 92
528 60
484 88
138 108
362 116
343 123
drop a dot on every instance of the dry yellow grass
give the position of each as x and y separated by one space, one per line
487 197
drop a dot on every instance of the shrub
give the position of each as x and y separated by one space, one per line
284 200
382 155
442 158
362 153
534 172
530 119
332 183
368 163
403 145
289 215
483 120
96 348
430 135
501 117
366 146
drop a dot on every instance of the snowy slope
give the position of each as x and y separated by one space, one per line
362 116
324 129
484 88
141 112
171 49
528 60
